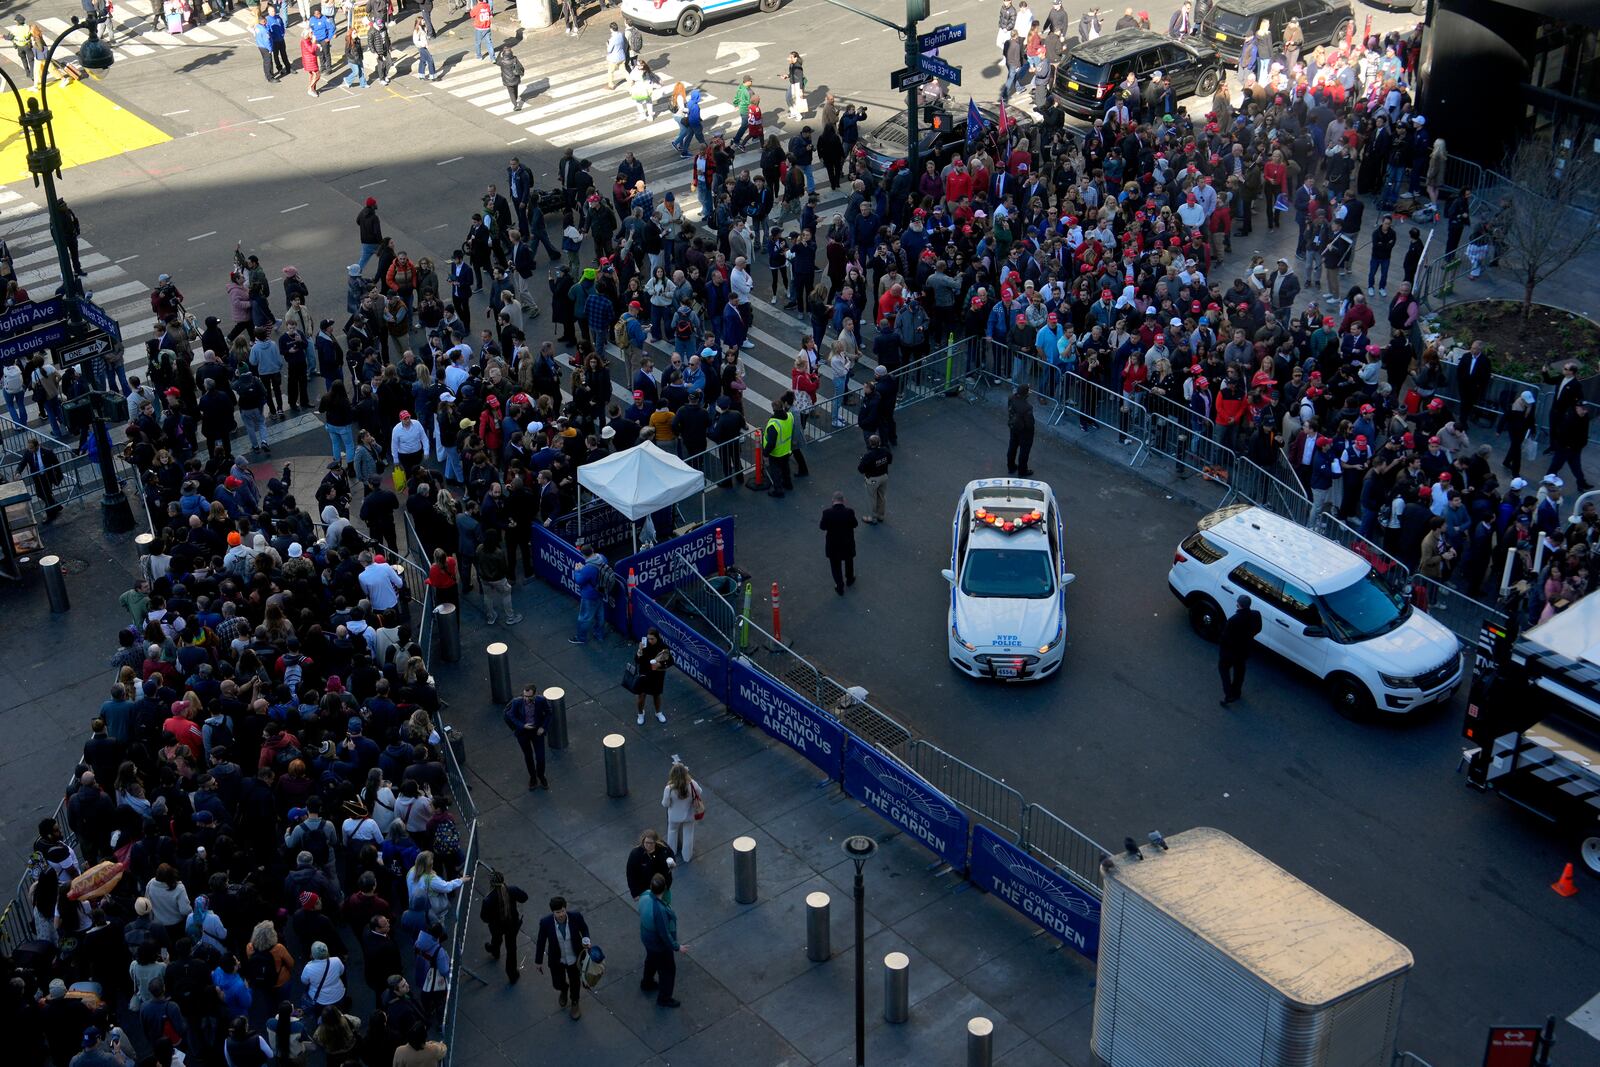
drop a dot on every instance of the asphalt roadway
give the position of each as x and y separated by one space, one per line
1129 736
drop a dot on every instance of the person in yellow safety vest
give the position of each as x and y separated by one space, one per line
778 443
22 41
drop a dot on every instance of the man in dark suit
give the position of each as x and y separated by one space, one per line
564 933
1238 638
41 469
839 543
1472 380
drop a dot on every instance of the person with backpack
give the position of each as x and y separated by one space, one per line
317 836
250 394
499 913
686 330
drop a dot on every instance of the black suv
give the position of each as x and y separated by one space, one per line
938 140
1087 83
1228 22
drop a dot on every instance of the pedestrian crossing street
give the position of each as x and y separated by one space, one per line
25 228
137 35
566 104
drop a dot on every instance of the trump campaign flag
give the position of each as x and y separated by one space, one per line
974 123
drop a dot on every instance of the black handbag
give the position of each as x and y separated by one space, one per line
630 676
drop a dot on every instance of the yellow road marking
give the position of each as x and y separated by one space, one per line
88 127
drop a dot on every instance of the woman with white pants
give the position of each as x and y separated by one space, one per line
680 797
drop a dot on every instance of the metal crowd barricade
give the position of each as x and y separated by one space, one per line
1461 613
697 598
1191 445
800 674
1252 482
459 942
1048 836
1409 1059
982 795
1394 573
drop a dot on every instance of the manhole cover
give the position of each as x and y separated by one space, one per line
73 565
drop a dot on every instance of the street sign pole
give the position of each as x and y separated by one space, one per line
914 9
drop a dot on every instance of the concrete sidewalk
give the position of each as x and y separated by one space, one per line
750 995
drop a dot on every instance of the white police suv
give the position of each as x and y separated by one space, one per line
687 17
1322 607
1008 612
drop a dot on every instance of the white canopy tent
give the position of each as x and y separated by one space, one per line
639 481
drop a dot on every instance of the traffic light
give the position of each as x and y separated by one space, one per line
933 116
916 10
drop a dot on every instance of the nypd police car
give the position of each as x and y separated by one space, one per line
1008 613
687 17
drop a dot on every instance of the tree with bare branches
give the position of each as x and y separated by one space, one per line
1549 219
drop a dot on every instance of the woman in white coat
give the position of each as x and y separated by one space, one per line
681 798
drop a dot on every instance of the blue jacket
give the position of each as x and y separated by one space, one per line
275 28
691 108
263 38
588 578
322 28
431 956
658 924
733 332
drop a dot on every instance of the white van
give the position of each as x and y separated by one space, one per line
1322 607
686 17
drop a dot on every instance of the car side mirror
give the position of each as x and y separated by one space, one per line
1316 631
1067 578
949 575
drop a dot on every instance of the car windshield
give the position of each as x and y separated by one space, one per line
1364 609
1230 21
1008 572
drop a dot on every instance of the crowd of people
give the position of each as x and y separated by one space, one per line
265 852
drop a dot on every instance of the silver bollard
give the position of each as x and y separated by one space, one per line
447 632
819 948
744 870
55 586
980 1042
896 987
616 765
146 543
556 732
499 672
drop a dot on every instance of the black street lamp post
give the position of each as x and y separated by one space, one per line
44 163
860 849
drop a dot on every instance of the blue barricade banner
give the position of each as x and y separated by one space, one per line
599 526
692 652
666 564
1037 890
906 800
785 715
554 560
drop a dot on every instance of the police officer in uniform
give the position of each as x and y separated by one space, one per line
778 443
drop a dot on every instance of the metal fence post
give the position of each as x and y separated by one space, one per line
980 1042
447 632
55 586
557 732
616 765
896 987
819 947
499 672
744 870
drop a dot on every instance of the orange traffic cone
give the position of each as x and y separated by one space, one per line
1565 885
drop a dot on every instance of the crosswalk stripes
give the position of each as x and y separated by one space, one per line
138 35
25 229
